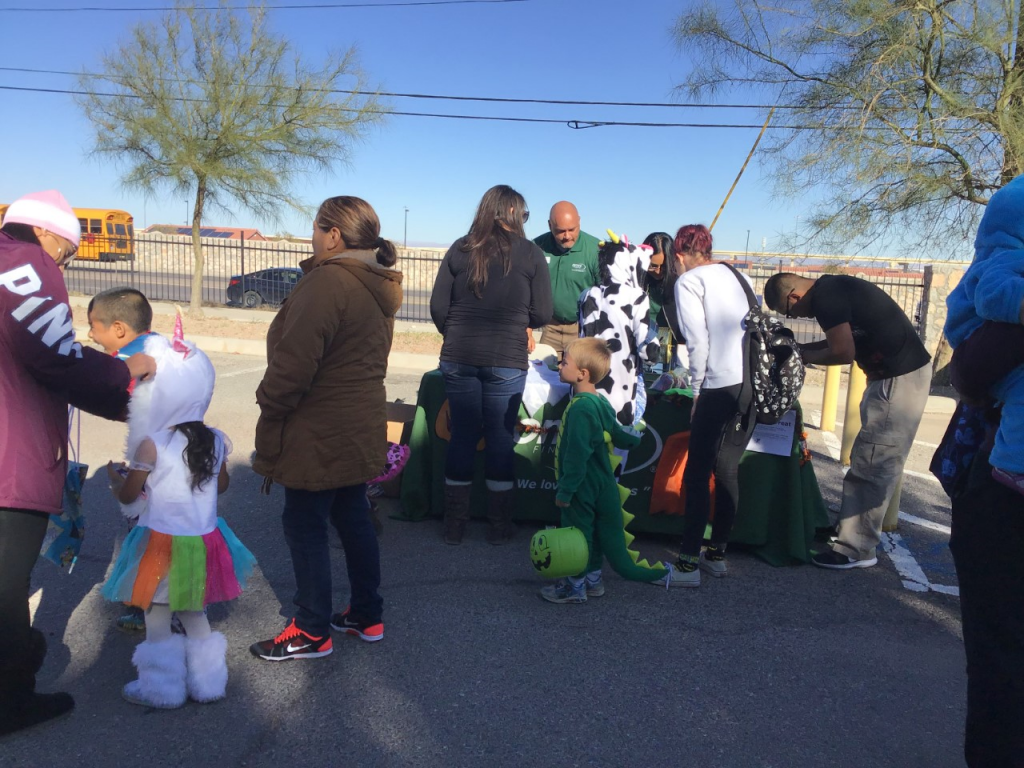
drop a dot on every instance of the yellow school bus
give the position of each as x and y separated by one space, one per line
107 234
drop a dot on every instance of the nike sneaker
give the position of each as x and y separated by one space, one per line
293 643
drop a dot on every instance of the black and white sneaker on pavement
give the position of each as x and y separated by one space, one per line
293 643
838 562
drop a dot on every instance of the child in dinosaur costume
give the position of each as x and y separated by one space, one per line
588 494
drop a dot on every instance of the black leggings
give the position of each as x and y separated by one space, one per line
718 438
21 535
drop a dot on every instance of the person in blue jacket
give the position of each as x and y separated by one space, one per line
986 312
985 327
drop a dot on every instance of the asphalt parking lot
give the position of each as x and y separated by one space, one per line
770 667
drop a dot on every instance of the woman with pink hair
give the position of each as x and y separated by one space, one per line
711 306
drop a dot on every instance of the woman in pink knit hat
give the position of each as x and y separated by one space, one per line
42 370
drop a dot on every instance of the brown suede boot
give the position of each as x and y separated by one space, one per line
500 507
456 512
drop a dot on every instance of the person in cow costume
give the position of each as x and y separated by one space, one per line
618 311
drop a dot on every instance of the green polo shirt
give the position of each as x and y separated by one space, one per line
572 273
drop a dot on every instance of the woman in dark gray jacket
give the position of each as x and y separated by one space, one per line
492 285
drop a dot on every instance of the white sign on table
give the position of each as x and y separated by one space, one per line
776 439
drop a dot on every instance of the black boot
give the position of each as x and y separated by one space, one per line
20 706
500 507
456 512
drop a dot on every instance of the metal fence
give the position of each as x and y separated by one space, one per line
162 269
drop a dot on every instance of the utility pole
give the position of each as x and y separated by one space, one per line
405 234
186 211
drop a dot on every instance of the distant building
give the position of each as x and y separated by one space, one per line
228 233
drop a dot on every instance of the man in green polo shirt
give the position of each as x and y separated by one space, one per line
572 261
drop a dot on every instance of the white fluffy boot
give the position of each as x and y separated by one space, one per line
161 667
207 667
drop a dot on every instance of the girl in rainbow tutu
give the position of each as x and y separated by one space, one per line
181 556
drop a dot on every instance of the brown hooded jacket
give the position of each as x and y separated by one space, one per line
322 400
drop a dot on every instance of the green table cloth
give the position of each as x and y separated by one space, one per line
780 503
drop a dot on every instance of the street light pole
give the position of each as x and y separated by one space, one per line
186 211
405 234
746 250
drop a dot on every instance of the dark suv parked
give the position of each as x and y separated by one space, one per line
268 286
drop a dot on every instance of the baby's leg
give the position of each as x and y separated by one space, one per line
196 625
581 516
160 661
158 623
1007 458
206 658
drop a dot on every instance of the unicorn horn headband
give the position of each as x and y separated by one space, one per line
178 339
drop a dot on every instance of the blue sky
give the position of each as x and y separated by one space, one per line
635 180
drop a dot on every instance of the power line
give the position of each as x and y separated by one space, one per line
575 124
304 7
487 99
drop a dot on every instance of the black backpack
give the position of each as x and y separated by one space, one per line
774 368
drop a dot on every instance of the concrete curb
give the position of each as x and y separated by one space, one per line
398 362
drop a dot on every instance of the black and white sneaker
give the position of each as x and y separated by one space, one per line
369 630
837 562
293 643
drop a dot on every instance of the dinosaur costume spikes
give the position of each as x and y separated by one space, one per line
584 459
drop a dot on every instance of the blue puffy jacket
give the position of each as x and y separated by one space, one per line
993 287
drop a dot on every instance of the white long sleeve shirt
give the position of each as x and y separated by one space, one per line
712 306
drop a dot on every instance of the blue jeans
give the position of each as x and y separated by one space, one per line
305 519
483 402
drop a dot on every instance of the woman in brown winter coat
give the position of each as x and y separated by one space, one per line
322 431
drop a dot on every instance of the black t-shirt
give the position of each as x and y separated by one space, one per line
886 343
491 330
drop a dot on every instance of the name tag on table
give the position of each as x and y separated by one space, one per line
776 439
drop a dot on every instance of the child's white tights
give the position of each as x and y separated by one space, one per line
158 623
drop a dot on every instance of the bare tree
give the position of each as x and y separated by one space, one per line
210 103
897 119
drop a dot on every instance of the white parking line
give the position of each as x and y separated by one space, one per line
915 520
921 475
911 573
832 444
242 372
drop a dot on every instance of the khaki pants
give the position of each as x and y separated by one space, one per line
890 414
557 335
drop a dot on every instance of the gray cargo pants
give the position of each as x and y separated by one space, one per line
890 414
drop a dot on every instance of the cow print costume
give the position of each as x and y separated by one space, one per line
618 311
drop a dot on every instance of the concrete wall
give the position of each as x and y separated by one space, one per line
939 281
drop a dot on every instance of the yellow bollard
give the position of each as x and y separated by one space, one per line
891 521
830 400
851 424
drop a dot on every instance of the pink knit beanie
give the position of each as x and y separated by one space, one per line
48 210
